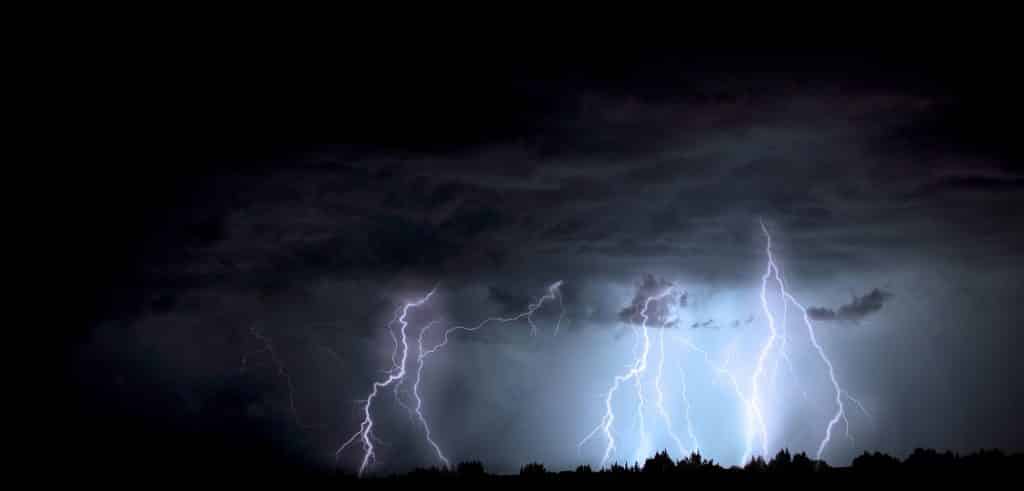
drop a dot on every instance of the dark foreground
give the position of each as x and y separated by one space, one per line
921 467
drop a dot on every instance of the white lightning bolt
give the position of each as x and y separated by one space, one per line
553 292
840 410
686 406
724 372
419 400
635 371
755 412
397 373
661 394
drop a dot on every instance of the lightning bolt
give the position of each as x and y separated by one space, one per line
396 374
752 401
840 413
661 395
420 357
561 314
686 406
635 371
755 413
268 347
551 295
553 292
724 372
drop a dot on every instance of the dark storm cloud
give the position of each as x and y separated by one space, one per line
857 309
591 177
508 300
657 310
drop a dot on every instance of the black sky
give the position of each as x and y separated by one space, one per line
892 182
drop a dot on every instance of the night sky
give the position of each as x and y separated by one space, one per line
890 184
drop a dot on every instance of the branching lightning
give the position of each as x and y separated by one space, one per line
635 371
840 410
282 370
420 357
400 355
396 374
686 407
665 416
753 382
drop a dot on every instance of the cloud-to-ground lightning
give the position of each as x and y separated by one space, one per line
282 370
687 408
722 370
553 292
753 395
420 357
840 413
660 402
635 371
396 374
755 412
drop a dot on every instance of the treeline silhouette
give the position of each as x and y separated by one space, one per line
922 464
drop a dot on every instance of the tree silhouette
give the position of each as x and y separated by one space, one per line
757 464
661 463
921 465
533 469
782 462
472 468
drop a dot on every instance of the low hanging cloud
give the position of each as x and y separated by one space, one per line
657 311
854 311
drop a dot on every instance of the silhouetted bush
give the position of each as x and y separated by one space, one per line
470 469
533 469
661 463
921 465
876 462
929 460
782 462
803 463
757 464
695 463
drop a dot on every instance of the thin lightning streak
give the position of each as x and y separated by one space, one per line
784 352
394 338
840 411
268 347
686 406
723 371
395 375
846 422
528 314
641 449
638 416
858 404
561 315
636 370
551 295
661 394
756 413
422 354
419 400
